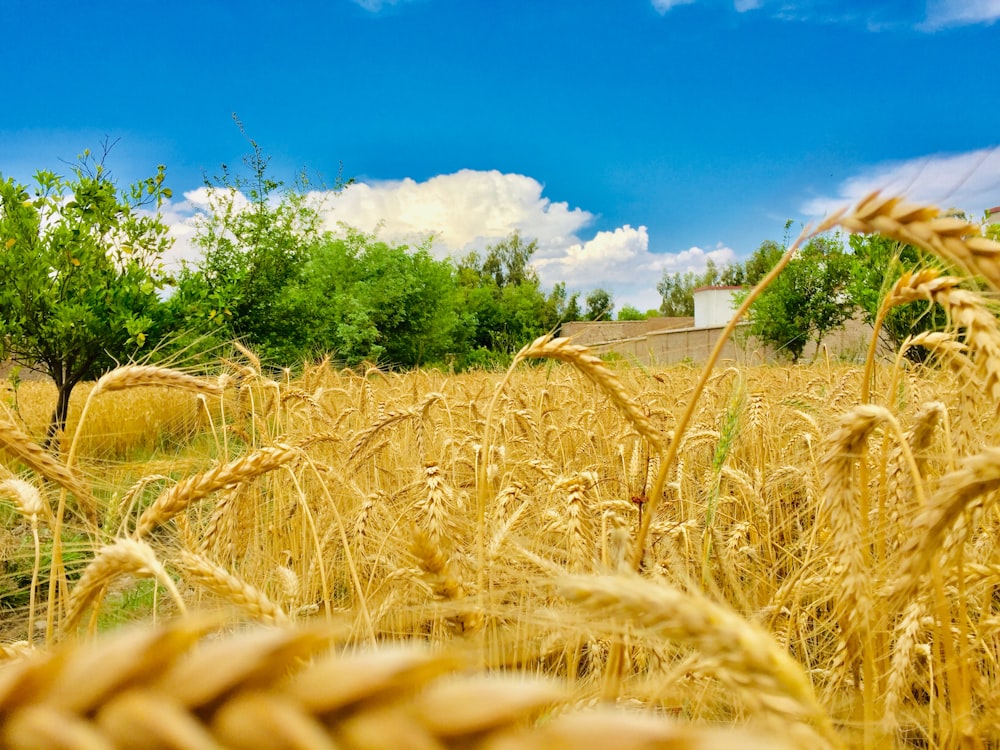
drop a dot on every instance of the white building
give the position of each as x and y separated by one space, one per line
714 305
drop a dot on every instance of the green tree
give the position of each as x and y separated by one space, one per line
628 312
600 305
79 272
807 300
380 302
877 263
677 289
501 296
256 236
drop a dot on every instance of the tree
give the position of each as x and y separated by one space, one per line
257 236
381 302
628 312
877 262
600 305
501 295
677 289
807 300
80 270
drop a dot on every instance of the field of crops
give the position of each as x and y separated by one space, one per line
568 554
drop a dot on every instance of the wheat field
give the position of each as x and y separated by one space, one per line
567 554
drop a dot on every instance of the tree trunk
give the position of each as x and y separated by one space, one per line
57 423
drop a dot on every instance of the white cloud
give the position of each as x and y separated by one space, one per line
969 181
469 209
464 210
742 6
662 6
944 13
374 6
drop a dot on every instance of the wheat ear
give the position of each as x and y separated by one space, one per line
939 528
273 689
124 556
547 347
182 494
20 446
744 655
221 582
948 237
30 504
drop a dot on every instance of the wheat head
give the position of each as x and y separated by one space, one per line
172 687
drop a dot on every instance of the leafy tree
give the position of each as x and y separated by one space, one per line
807 300
508 261
379 302
560 307
256 237
677 289
631 313
877 263
501 295
80 270
600 305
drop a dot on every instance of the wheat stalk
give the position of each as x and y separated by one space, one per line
548 347
948 237
20 446
945 522
135 376
741 654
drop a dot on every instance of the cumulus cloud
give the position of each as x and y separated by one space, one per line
944 13
621 262
464 210
468 210
969 181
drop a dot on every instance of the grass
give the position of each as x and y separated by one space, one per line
796 556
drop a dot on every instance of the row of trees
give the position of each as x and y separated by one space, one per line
826 284
82 284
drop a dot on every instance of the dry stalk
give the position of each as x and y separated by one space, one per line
135 376
20 446
949 517
953 239
547 347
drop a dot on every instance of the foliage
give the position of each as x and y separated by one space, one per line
600 305
257 236
877 263
369 300
628 312
503 302
80 263
807 300
677 289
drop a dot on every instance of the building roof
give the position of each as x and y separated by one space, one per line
713 288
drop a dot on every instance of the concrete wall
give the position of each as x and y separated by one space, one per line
693 345
587 332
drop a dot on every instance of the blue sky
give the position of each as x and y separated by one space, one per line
630 137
